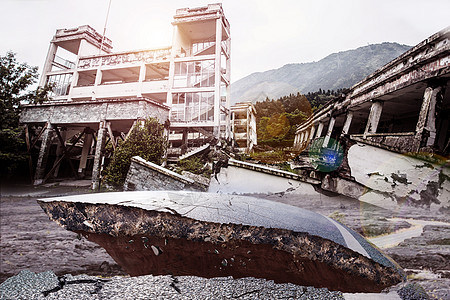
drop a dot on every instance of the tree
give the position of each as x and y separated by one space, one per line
147 141
277 120
15 79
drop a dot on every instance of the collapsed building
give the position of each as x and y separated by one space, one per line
385 127
100 95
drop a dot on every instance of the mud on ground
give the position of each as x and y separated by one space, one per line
426 259
29 240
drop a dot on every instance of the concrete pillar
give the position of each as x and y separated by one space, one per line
228 88
330 130
48 63
312 131
374 117
59 152
98 81
142 72
184 141
319 130
217 78
96 171
247 122
41 164
296 140
348 122
84 153
426 124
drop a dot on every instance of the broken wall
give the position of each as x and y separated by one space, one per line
395 179
243 181
147 176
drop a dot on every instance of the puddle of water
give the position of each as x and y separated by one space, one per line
396 237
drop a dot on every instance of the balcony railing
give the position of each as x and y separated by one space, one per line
400 142
64 63
146 56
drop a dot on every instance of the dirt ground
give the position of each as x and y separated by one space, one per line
29 240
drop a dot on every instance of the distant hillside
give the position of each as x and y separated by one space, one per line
338 70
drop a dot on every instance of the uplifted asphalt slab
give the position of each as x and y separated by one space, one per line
211 235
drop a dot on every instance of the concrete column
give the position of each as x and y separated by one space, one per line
319 130
296 140
374 117
217 78
84 153
228 88
48 63
184 141
98 81
248 129
41 164
330 130
142 71
59 152
312 131
426 124
96 171
348 122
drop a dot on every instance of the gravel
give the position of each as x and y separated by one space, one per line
46 285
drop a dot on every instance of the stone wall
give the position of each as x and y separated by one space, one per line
94 111
147 176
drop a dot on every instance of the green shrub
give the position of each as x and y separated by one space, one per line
194 165
146 141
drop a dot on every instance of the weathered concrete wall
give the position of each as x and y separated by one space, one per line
94 111
395 179
147 176
239 180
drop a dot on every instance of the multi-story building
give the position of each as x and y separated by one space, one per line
102 93
243 120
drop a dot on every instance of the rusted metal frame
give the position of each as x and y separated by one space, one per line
65 152
61 158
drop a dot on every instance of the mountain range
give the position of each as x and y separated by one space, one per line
337 70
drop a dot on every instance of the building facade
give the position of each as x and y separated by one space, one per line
243 120
186 86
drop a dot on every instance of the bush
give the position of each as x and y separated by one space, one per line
195 166
146 141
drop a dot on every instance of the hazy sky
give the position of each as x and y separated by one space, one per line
265 34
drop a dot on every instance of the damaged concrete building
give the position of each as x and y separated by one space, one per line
386 124
243 126
99 95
